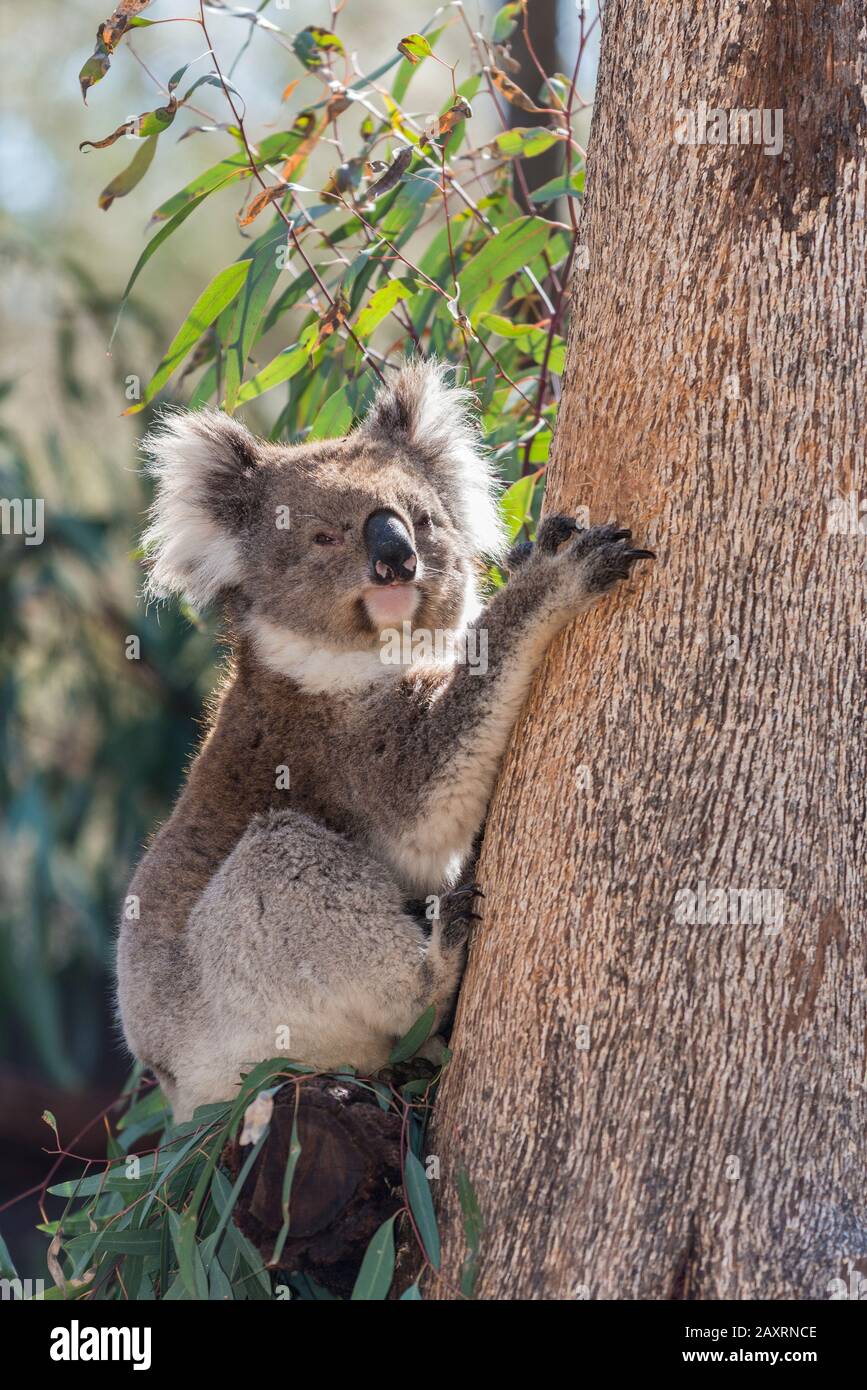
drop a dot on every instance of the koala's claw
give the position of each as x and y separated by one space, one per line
455 912
463 890
607 555
553 531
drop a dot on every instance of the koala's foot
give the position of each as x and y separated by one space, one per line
606 556
456 914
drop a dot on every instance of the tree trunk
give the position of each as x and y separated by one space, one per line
542 27
657 1089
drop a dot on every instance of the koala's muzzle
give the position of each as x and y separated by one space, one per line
390 550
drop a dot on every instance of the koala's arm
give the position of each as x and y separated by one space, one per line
429 784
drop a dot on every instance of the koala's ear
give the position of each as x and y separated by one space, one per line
435 422
206 466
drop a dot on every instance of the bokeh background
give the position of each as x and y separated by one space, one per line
94 745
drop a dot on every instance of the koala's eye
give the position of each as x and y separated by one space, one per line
326 538
423 521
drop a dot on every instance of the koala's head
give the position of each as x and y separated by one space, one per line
332 541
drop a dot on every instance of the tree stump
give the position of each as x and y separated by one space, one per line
347 1180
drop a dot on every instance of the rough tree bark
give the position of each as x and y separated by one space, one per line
709 1140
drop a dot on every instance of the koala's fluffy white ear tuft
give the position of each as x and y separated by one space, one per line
437 423
204 463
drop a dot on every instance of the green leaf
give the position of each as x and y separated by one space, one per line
250 308
526 141
192 1270
146 1243
517 501
235 166
133 174
530 338
473 1227
229 1203
210 303
335 417
288 1177
156 241
381 303
417 1189
377 1267
219 1288
411 1295
413 1040
409 66
7 1268
560 187
415 47
314 45
506 21
501 257
283 367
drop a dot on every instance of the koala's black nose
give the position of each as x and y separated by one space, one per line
392 557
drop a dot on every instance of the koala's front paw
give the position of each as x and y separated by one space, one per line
552 533
604 556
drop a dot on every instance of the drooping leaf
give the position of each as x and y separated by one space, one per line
246 315
459 111
108 36
262 200
156 241
393 174
133 174
377 1267
412 1041
472 1230
417 1189
148 123
211 302
333 318
513 93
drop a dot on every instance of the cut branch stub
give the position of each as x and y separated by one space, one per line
346 1182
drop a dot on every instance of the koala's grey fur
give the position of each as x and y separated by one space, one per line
272 921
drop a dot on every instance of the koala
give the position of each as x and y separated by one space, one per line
273 914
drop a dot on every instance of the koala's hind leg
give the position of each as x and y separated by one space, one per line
301 947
